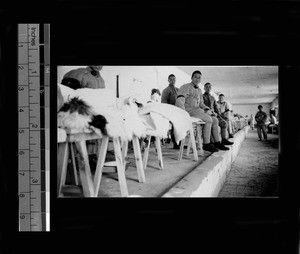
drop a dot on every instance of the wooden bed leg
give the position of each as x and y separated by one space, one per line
86 175
102 149
192 138
62 165
146 153
181 150
124 151
159 153
199 136
138 159
120 168
74 163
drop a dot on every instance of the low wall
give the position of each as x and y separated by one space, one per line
207 179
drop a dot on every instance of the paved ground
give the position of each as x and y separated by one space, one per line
254 173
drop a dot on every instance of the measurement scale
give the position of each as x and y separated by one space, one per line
34 117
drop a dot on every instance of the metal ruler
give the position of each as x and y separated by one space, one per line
34 136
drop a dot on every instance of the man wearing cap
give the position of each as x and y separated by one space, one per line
210 102
190 98
261 118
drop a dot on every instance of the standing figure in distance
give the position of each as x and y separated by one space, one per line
261 118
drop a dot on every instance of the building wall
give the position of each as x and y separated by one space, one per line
248 109
275 103
135 79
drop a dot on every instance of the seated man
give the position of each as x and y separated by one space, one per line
261 118
190 98
273 121
224 113
155 95
169 96
84 78
210 102
88 77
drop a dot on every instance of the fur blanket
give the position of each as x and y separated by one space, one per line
99 110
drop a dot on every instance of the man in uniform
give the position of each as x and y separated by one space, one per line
88 77
210 102
225 112
190 98
261 118
169 94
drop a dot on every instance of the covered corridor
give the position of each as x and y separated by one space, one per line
254 172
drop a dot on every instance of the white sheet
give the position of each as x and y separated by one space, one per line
180 119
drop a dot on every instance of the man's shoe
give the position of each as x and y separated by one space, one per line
230 135
226 142
176 147
210 148
220 146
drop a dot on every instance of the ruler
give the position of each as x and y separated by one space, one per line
33 124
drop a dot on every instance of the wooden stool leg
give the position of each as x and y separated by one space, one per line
159 153
85 174
120 168
146 153
189 146
99 141
62 164
138 159
181 150
124 151
192 138
102 149
199 137
74 163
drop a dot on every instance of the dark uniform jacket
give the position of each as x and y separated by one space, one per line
169 95
210 102
87 77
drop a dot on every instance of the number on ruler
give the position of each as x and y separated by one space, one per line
21 67
42 91
35 180
21 153
21 110
20 88
22 173
22 195
22 217
21 131
34 125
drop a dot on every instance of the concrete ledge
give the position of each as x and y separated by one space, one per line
207 179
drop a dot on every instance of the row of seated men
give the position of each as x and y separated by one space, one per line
189 97
200 105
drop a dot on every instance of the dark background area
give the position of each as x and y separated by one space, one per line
115 32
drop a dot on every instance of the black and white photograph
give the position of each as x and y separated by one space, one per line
167 131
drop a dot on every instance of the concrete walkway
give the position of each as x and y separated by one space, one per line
254 173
